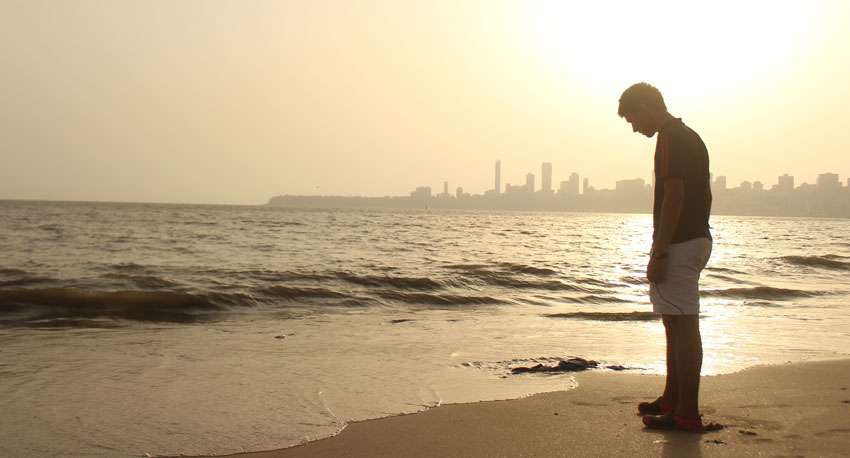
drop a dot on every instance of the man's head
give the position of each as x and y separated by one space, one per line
643 107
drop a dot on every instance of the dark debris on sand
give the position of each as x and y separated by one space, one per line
567 365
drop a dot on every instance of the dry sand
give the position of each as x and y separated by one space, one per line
798 409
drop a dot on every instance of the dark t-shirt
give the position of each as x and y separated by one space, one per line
680 153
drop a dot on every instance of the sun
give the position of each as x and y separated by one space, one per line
704 49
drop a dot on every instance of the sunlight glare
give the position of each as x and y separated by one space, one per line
704 48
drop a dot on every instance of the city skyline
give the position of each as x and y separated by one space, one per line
827 197
784 182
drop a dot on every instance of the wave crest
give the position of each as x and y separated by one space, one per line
438 299
825 262
608 316
40 304
762 292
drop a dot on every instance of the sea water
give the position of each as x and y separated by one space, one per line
147 328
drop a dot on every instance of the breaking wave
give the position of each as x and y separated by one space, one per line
142 281
526 269
608 316
438 299
287 292
824 262
762 292
18 277
599 299
58 303
415 283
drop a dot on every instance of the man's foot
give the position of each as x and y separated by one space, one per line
656 407
676 422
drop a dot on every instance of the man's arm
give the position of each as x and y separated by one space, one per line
671 209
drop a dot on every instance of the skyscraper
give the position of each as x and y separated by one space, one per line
546 174
529 182
498 177
786 183
574 184
635 186
720 183
828 181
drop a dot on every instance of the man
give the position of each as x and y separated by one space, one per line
681 246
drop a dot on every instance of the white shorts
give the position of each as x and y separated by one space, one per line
678 294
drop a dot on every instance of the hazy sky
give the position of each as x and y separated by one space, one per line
236 101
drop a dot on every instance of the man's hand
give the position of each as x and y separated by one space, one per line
656 270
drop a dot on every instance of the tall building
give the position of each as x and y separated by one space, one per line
586 186
529 182
571 186
758 186
828 181
574 184
635 186
421 192
720 183
546 177
498 177
459 192
446 187
786 183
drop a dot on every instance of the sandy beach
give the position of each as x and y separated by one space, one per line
800 409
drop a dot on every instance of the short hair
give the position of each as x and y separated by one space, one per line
640 94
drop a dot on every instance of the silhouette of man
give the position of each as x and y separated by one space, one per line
681 246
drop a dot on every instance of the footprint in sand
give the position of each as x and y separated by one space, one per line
628 399
753 434
764 406
589 404
753 423
832 432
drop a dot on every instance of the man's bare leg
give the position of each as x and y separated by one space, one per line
688 355
671 386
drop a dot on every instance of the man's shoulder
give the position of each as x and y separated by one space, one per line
684 136
679 129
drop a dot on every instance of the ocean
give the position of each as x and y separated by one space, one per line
128 329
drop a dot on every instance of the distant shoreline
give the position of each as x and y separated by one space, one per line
601 202
357 203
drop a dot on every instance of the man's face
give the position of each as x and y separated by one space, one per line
641 122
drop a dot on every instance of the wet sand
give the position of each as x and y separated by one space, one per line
800 409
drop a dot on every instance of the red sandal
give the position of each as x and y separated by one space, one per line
656 407
679 423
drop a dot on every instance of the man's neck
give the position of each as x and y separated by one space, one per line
664 119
